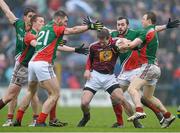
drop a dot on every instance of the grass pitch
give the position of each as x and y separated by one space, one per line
101 121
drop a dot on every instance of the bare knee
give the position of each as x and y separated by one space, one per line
84 103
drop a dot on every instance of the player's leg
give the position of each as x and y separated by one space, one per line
86 98
32 88
151 106
11 108
134 91
52 87
178 112
148 94
35 108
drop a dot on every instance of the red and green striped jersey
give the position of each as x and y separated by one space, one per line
149 46
20 33
47 42
130 59
28 50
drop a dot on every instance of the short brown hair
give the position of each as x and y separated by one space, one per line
102 34
60 13
151 16
28 10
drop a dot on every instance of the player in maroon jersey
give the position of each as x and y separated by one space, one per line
103 56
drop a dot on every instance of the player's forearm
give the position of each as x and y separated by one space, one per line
131 45
33 43
88 64
76 29
12 18
66 48
159 28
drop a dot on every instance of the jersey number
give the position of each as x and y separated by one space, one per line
45 35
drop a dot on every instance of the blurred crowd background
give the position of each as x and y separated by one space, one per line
70 66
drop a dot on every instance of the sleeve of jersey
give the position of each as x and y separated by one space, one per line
59 30
28 38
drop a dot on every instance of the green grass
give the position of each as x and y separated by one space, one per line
101 121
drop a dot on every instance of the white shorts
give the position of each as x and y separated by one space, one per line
40 71
149 72
101 81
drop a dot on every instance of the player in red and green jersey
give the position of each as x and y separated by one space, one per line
41 64
147 74
20 72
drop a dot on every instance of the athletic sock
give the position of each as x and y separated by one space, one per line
19 115
118 112
2 104
42 118
139 109
10 116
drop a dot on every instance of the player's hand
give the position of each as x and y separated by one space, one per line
87 74
173 24
82 50
92 25
62 42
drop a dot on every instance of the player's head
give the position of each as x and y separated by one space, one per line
61 18
122 25
28 13
149 18
37 22
103 36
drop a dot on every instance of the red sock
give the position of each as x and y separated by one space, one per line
118 112
53 112
139 109
42 118
167 115
10 116
19 115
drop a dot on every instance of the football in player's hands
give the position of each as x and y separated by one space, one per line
119 44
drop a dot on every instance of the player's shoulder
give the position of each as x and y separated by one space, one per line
94 44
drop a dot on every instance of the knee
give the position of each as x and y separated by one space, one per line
84 103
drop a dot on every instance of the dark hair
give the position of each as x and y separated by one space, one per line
34 18
60 13
28 10
120 18
102 34
151 16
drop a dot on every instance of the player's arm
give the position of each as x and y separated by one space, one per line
88 66
89 24
12 18
81 49
170 24
30 39
132 44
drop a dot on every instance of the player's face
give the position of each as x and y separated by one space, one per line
39 23
122 26
63 21
104 41
28 17
145 22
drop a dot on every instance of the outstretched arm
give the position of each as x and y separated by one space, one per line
171 24
12 18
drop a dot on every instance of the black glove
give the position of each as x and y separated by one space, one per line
62 42
172 24
92 25
82 50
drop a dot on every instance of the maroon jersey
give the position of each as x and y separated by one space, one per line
102 58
